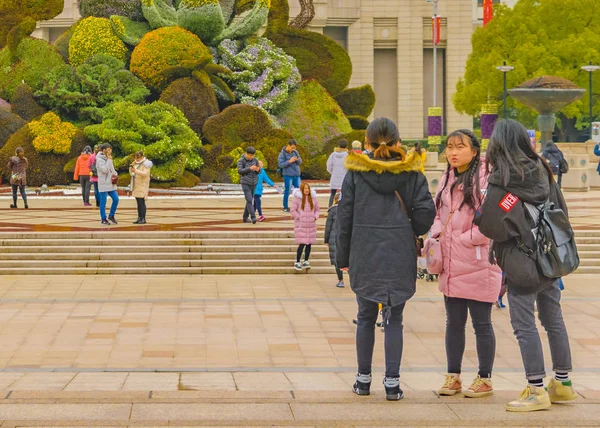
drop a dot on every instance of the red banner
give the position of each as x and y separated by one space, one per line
436 29
488 12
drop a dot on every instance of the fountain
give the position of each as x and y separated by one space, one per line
547 95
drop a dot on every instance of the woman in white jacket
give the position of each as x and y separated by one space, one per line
337 168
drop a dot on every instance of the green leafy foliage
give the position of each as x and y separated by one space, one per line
216 164
44 168
131 32
197 101
62 43
131 9
160 130
187 180
9 124
34 58
313 117
357 101
358 122
25 105
317 56
550 37
358 135
94 36
81 91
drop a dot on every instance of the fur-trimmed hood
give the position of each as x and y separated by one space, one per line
383 176
296 193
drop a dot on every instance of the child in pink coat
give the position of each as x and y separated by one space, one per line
305 211
469 282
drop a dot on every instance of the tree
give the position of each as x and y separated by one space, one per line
537 37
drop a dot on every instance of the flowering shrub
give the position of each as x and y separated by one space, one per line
262 74
161 49
95 36
160 130
51 135
131 9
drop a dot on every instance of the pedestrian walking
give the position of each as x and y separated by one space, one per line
597 153
263 177
305 212
385 204
331 237
107 183
337 169
94 174
469 282
140 184
17 165
420 151
82 174
249 167
289 162
518 176
555 158
357 147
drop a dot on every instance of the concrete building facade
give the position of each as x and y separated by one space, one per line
390 43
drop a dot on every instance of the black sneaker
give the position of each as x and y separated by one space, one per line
26 206
254 221
393 393
361 388
13 206
245 220
143 221
105 222
137 221
113 220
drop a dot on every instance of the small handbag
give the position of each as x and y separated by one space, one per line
115 179
418 241
433 251
16 178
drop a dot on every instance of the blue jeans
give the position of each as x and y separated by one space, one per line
114 196
289 182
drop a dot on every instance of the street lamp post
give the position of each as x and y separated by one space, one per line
590 69
505 69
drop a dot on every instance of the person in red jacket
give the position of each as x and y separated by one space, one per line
82 174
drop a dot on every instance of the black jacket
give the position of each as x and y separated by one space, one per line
502 218
375 238
554 157
331 232
248 177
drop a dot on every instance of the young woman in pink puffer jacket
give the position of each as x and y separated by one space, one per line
305 211
469 282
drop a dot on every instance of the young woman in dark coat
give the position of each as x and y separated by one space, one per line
376 242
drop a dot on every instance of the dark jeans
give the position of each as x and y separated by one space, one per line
86 187
258 204
96 193
332 197
340 274
365 337
289 182
21 189
249 195
457 311
141 208
306 253
522 319
113 206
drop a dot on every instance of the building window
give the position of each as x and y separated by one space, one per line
339 34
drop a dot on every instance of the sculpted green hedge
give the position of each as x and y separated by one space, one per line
357 101
24 103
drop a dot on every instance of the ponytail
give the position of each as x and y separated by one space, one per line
384 151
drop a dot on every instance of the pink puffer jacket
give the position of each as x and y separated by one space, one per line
305 220
467 272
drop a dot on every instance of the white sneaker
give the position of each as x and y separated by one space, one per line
306 264
298 266
531 399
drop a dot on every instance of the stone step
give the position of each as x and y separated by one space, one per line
589 270
140 263
157 249
158 256
589 262
134 242
108 234
243 270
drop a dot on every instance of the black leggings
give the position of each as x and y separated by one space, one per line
21 189
141 208
457 311
340 274
306 254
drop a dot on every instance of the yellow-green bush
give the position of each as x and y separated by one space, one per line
95 36
51 135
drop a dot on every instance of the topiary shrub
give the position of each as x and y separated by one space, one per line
197 101
94 36
25 105
187 179
130 31
51 135
80 92
160 130
62 43
216 164
316 168
357 135
239 126
357 101
131 9
313 117
317 56
44 168
161 49
9 124
358 122
34 59
15 12
262 74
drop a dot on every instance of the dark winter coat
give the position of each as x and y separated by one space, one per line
376 239
18 167
554 157
502 219
248 177
289 169
331 232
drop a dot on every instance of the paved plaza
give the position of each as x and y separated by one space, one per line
233 350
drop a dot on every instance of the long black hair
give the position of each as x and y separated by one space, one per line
382 135
470 179
509 147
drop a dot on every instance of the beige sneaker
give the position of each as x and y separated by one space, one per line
561 391
481 387
532 399
453 385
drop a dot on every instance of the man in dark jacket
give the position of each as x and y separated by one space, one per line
289 162
555 158
249 168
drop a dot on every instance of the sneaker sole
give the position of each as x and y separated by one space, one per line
449 392
361 392
469 394
556 399
526 409
395 397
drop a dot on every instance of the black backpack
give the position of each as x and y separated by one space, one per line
556 252
94 170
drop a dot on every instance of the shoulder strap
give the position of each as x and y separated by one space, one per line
402 203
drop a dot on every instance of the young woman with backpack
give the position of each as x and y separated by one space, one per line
519 178
470 284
